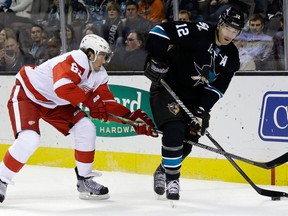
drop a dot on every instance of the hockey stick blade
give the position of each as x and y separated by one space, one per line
265 165
261 191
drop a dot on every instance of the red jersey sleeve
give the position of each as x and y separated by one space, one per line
66 75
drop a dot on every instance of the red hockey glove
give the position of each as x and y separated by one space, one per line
145 124
97 108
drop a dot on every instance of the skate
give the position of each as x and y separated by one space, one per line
159 180
90 189
3 188
172 191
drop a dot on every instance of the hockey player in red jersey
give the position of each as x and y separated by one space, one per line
51 91
198 62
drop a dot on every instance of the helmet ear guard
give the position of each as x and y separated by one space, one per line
89 53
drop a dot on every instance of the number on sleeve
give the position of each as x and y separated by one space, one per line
74 68
202 26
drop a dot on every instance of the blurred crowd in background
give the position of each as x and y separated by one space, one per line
30 30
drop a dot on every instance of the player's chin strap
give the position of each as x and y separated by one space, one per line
265 165
264 192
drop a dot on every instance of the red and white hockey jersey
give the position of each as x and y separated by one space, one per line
62 80
67 79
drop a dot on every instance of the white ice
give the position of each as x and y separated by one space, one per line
47 191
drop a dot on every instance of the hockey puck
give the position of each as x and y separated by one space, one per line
275 198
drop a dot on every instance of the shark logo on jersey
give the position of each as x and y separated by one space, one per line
206 73
174 108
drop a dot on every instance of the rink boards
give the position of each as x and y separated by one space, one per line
250 121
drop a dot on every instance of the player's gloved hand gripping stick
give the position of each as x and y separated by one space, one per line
144 123
199 122
97 108
155 70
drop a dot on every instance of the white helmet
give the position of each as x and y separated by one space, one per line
96 44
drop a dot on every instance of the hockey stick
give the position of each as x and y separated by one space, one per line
128 121
266 165
275 195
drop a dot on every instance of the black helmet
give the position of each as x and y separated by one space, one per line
232 17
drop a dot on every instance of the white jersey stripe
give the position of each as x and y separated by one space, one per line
16 108
61 82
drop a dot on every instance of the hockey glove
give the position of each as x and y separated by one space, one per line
144 125
97 108
155 70
200 122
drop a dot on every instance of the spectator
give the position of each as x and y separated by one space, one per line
189 5
216 7
261 7
52 18
5 14
247 62
97 10
71 40
77 12
1 26
5 5
13 56
133 21
275 8
278 54
274 14
53 15
90 30
255 42
185 15
4 34
22 10
53 47
133 56
152 10
38 47
39 11
112 29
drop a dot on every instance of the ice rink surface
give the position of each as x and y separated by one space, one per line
47 191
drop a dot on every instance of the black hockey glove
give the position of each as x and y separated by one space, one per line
200 122
155 70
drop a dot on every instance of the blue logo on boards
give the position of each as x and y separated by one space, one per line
274 117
